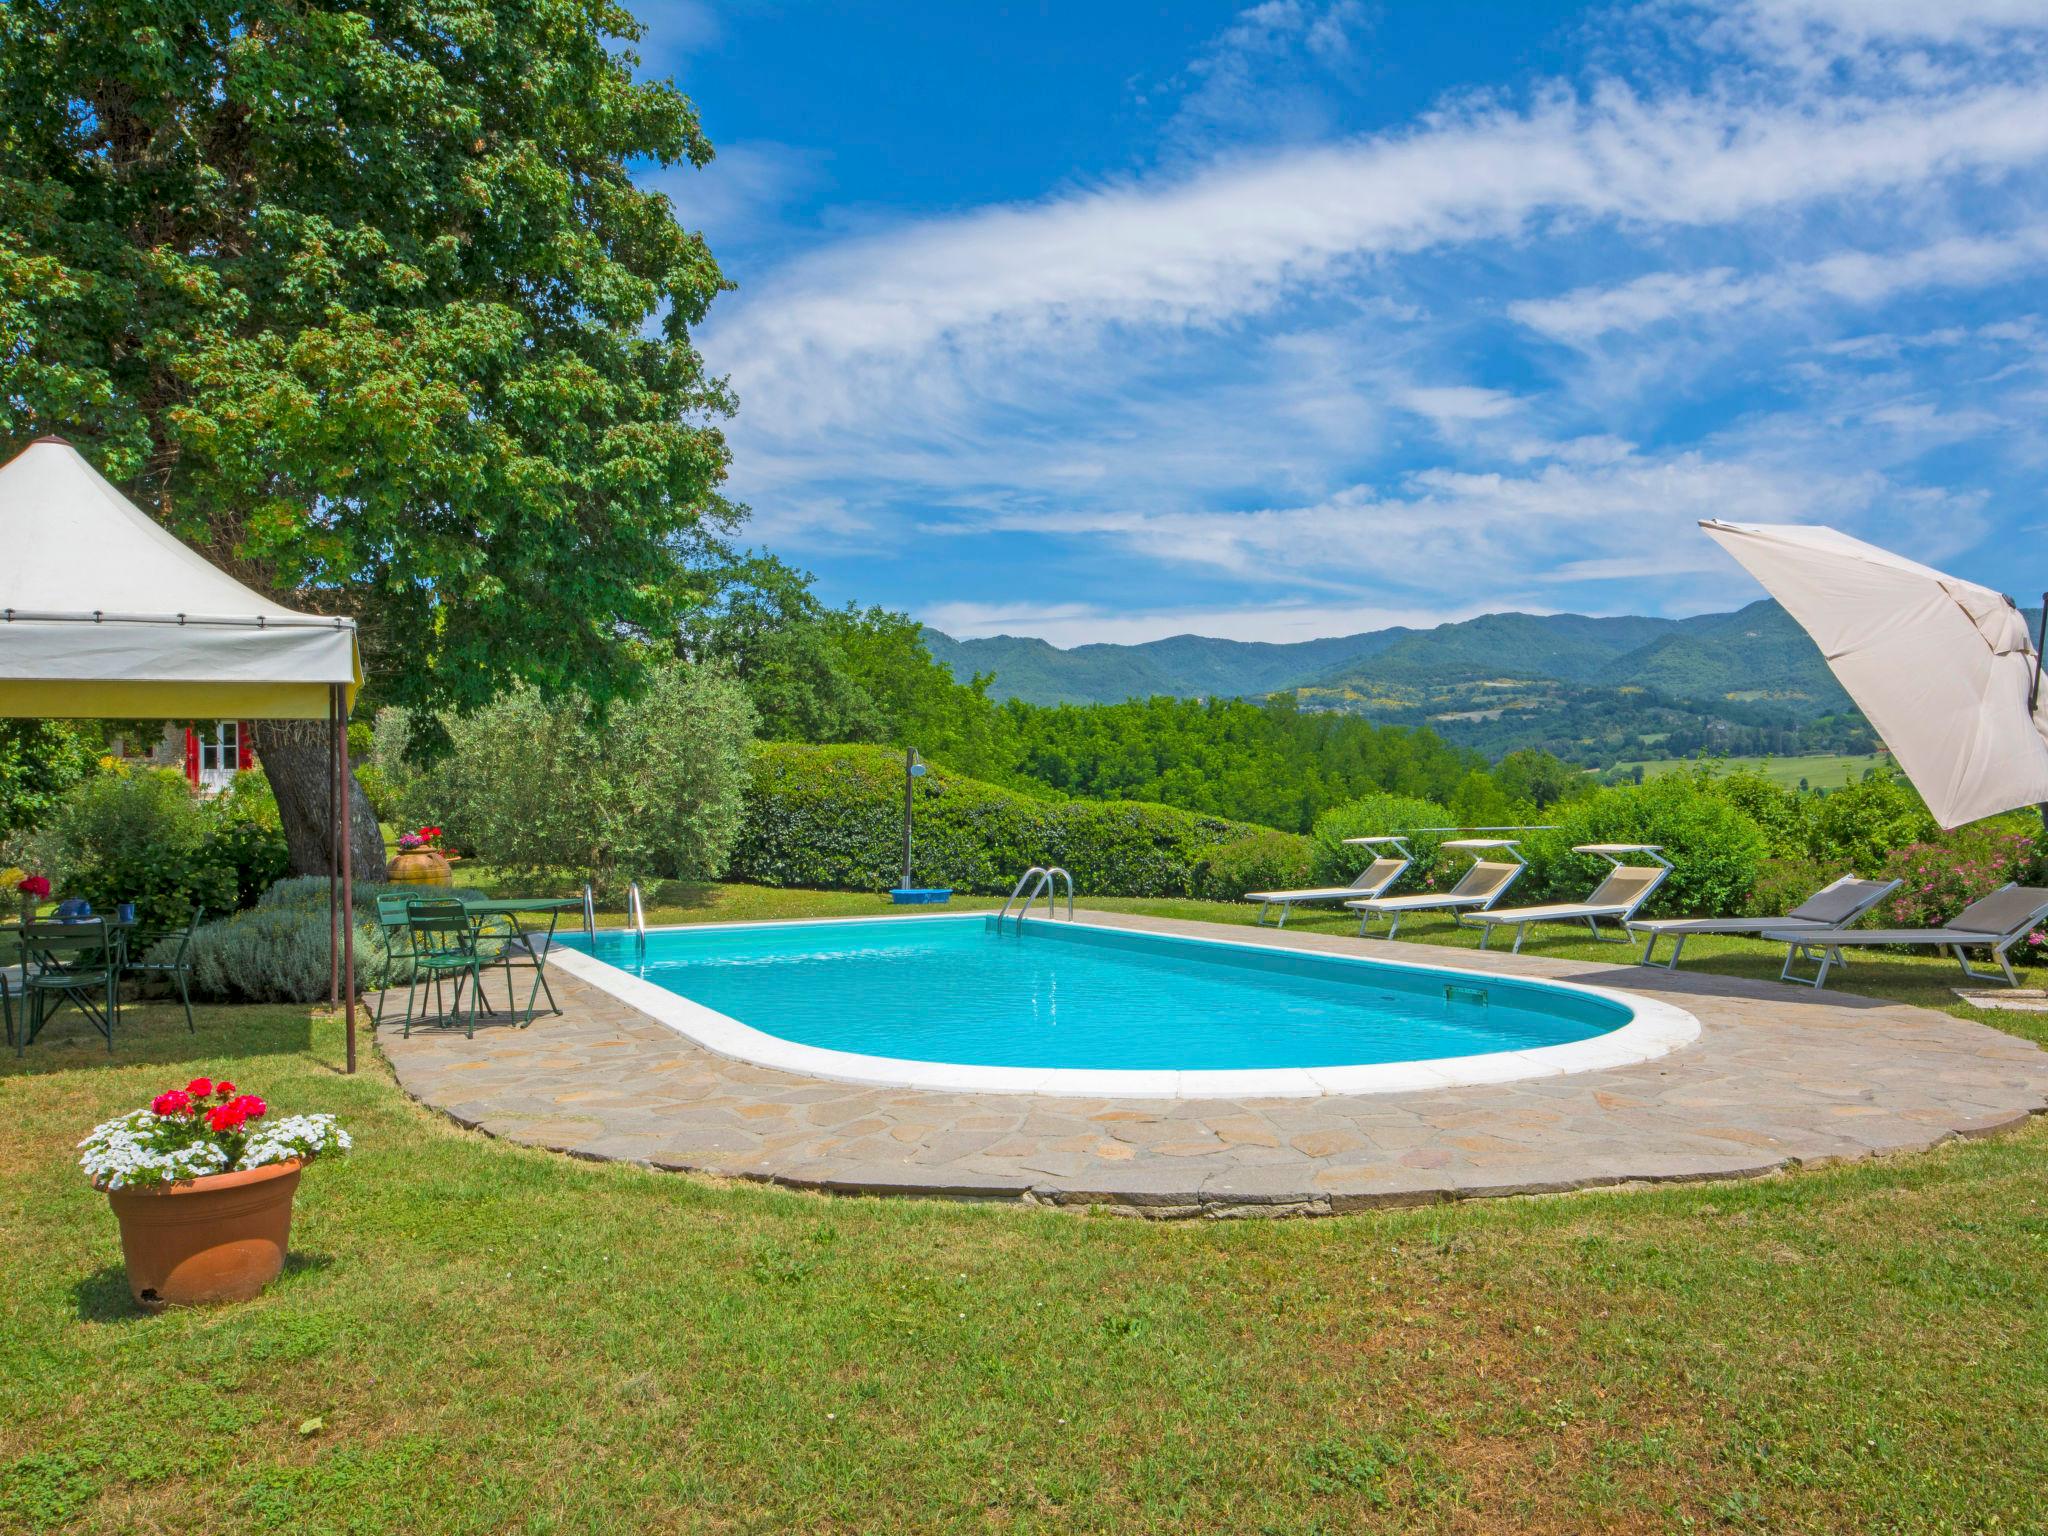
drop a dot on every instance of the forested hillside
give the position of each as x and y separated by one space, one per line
1594 691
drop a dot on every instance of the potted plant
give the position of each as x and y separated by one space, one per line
202 1184
34 891
419 860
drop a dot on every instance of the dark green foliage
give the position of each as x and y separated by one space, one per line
1332 861
40 760
1862 823
839 675
255 855
143 837
1716 848
1261 860
831 818
140 838
1269 763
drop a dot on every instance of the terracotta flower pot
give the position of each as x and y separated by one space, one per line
220 1238
423 866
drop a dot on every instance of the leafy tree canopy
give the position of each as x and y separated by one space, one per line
360 299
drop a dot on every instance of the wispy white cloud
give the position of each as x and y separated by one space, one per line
920 317
1590 314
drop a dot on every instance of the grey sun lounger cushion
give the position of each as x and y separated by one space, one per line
1997 921
1833 906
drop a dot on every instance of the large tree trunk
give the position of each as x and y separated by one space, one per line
298 759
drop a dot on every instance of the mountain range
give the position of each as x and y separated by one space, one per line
1756 653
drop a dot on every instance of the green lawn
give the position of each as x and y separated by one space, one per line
1825 770
474 1337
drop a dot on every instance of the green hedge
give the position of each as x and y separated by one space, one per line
831 818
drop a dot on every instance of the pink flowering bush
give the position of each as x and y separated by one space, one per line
1943 876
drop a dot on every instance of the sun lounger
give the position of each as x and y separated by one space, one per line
1373 880
1478 888
1832 906
1995 922
1616 898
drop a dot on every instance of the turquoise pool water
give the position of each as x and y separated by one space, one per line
1053 995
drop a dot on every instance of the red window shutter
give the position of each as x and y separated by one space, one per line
244 758
191 754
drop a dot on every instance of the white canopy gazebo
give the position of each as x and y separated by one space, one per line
105 615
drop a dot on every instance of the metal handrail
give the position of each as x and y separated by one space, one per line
1017 889
1046 875
636 914
1049 908
589 913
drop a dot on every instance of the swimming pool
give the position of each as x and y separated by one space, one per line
1054 1007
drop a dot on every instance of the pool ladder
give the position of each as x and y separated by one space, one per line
636 915
1046 875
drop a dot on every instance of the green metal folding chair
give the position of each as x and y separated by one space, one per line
11 954
177 966
392 930
76 963
443 943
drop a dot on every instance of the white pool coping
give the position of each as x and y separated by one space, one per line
1656 1029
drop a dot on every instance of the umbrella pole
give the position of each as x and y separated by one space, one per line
348 892
2034 693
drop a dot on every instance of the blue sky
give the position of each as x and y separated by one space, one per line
1113 321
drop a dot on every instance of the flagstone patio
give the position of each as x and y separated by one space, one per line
1780 1077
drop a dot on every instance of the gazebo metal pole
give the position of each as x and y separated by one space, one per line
333 870
348 890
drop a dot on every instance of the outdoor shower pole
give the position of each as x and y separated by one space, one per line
909 783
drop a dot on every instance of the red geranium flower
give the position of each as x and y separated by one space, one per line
224 1117
200 1087
176 1102
34 885
224 1088
248 1106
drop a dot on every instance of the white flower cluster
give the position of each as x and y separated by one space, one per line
299 1136
148 1148
126 1151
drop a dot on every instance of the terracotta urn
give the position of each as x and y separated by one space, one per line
422 866
213 1239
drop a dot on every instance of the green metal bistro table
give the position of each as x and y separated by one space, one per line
503 933
51 951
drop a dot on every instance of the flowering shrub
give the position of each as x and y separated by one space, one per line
204 1127
426 837
37 886
1941 878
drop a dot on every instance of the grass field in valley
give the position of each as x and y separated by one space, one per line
476 1337
1825 770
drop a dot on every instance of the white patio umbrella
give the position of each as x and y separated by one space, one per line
1943 668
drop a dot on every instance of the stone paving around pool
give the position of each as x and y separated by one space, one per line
1780 1076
